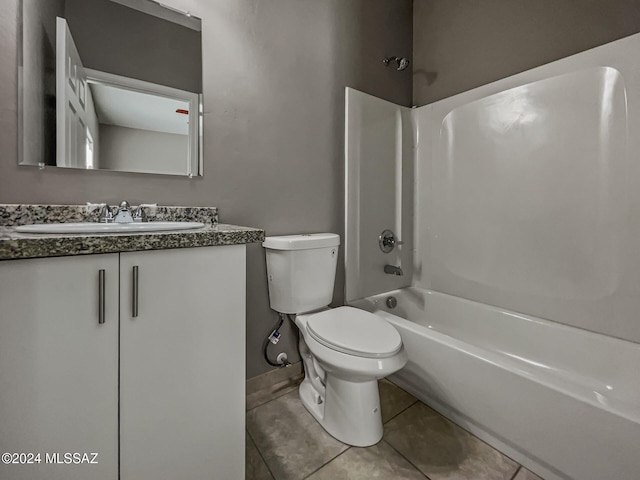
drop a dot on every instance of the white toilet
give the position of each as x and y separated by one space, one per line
344 350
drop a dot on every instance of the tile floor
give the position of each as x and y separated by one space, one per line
284 442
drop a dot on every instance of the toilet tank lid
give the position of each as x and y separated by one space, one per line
302 242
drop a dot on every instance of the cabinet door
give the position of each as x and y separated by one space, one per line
182 364
59 367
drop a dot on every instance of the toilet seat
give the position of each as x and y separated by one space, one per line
354 332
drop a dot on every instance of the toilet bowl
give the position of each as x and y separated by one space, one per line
340 388
344 350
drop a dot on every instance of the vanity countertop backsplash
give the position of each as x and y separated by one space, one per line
15 245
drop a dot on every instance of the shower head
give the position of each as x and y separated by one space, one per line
401 62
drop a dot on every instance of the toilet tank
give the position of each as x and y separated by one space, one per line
301 270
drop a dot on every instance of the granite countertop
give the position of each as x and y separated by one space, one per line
15 245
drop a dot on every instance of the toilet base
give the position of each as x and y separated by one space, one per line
348 411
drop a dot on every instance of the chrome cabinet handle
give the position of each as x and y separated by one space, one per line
134 312
101 302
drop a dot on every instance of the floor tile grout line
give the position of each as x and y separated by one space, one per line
462 428
289 390
517 471
259 453
401 411
349 447
271 399
409 461
468 432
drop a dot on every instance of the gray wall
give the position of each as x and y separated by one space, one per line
274 76
462 44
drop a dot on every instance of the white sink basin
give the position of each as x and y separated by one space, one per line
92 227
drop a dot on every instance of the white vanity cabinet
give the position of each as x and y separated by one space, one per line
161 393
182 364
59 366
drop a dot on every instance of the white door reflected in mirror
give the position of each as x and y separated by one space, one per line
77 123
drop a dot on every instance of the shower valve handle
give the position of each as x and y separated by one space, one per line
387 241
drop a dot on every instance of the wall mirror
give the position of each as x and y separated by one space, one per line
110 85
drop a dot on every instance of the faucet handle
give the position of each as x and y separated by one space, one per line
140 213
106 214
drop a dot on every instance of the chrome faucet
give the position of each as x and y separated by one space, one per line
124 213
393 270
107 214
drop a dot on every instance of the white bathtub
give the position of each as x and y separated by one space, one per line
562 401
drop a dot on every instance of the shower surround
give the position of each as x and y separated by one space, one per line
519 206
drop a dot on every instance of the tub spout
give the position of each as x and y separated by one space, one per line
393 270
